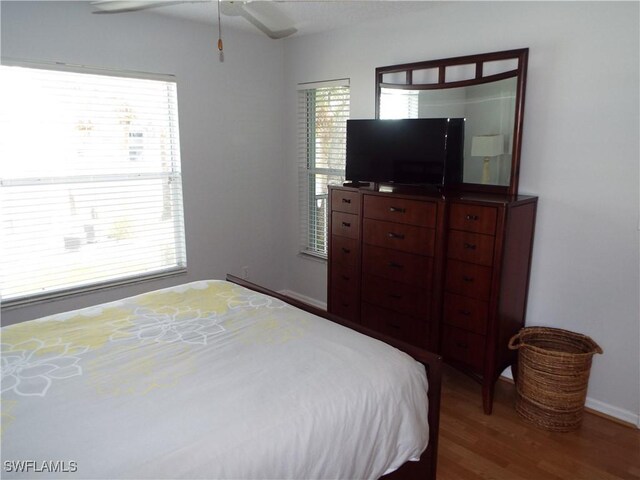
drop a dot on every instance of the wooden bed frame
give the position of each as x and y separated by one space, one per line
425 469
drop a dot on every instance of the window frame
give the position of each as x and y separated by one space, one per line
310 243
174 177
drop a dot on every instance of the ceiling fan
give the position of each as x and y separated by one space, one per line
265 15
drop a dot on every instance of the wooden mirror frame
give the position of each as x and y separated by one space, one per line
478 61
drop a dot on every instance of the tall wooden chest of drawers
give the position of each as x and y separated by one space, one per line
398 249
344 252
447 273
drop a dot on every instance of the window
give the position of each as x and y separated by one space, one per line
395 103
90 181
322 125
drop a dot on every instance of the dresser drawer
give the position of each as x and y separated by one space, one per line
407 299
466 313
344 304
345 225
470 247
463 346
399 266
345 201
473 218
344 278
468 279
412 212
407 238
396 325
344 250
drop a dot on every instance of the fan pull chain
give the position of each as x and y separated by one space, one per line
220 35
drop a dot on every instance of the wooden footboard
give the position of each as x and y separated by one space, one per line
426 467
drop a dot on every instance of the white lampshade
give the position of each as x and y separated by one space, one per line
487 145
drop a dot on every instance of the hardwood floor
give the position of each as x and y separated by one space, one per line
503 446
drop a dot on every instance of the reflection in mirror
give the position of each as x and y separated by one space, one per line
489 110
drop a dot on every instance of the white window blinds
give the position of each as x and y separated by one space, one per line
90 181
323 110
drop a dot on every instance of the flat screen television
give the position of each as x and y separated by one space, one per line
418 151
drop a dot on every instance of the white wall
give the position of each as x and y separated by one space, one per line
230 145
580 154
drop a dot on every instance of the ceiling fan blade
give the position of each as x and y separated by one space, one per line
121 6
265 15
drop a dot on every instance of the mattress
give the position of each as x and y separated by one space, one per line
205 380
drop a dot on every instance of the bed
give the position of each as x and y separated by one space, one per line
213 379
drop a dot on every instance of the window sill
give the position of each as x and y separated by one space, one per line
73 292
313 256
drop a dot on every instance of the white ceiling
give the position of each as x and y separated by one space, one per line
308 16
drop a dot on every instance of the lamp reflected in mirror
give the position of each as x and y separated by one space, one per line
488 147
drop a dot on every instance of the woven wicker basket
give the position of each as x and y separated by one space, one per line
553 374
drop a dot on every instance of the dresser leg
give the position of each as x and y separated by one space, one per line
514 372
487 397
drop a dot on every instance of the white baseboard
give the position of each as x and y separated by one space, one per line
602 407
303 298
619 413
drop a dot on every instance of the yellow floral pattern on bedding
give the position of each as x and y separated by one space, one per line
37 354
142 372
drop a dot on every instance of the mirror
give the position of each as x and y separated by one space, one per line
488 110
486 90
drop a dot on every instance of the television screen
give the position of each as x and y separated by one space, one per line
411 151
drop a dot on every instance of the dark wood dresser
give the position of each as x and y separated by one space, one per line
449 273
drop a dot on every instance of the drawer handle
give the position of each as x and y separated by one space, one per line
346 250
470 246
346 224
467 279
344 277
346 200
397 209
395 295
397 236
462 345
395 265
345 305
466 313
472 217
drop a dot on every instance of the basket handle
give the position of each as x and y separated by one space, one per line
512 342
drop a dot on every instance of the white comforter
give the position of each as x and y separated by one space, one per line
206 380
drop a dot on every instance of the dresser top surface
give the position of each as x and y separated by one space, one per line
427 193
